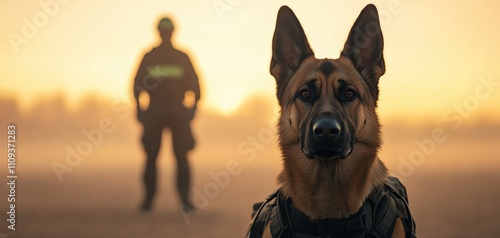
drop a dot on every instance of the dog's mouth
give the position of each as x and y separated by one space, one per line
327 154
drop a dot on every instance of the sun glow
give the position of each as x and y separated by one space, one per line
430 65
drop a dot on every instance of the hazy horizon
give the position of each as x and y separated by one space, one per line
437 56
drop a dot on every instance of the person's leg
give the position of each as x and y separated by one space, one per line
183 142
151 140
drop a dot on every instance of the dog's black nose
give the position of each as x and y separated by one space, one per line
326 129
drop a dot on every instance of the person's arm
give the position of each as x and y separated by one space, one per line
192 80
138 85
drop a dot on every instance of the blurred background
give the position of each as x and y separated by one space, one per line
67 66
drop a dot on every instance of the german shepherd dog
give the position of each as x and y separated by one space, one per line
329 134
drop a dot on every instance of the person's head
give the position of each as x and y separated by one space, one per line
165 28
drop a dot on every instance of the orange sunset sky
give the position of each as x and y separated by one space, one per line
436 51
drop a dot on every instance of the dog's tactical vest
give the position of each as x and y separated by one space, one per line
375 219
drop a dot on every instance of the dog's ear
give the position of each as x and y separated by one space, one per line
290 48
364 47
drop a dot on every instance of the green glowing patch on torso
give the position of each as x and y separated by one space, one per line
164 71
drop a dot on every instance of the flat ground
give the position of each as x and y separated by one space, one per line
105 204
454 190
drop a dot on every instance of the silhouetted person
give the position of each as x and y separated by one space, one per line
166 74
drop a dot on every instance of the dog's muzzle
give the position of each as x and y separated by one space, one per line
325 138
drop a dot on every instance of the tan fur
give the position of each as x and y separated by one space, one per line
344 184
267 233
399 231
331 188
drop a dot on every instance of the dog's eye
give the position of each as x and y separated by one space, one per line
348 93
305 94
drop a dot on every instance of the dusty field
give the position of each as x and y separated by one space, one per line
105 203
454 191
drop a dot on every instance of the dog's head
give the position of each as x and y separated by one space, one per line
328 105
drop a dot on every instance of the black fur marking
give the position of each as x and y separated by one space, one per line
343 83
327 68
311 87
